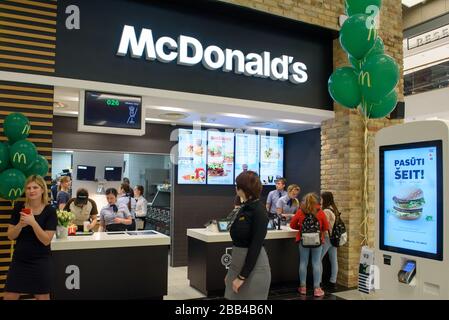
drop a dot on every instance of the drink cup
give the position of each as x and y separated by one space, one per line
26 210
86 226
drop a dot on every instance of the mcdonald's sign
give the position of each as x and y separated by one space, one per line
17 192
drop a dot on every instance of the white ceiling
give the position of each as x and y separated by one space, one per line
285 119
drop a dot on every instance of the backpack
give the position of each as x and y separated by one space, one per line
339 235
310 232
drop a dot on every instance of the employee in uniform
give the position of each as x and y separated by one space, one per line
85 210
249 275
126 197
30 271
288 205
275 195
141 206
114 216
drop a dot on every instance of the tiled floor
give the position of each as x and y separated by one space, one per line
356 295
178 285
180 289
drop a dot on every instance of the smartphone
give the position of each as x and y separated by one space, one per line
26 210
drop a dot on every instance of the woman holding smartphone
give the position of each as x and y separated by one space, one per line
32 226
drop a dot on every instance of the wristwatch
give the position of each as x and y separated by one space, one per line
241 278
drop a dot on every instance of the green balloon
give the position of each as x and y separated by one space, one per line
16 127
378 77
382 108
12 184
22 155
357 37
4 156
39 167
344 88
378 48
357 64
362 6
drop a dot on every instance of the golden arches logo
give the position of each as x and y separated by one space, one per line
19 157
26 129
17 192
365 77
372 33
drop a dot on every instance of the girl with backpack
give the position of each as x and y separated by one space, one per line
331 211
311 223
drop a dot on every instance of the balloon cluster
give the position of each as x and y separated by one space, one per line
371 81
18 157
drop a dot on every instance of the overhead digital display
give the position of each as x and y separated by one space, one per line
192 156
247 153
220 157
110 110
411 199
271 159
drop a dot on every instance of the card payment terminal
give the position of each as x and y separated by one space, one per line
408 271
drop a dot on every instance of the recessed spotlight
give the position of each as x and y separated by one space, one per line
294 121
263 129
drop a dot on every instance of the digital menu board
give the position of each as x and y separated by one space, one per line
192 156
220 157
271 159
247 153
411 199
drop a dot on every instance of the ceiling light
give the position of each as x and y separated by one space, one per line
172 109
263 129
69 151
411 3
259 124
299 122
237 115
155 120
208 124
173 116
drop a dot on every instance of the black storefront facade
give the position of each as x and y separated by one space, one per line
206 49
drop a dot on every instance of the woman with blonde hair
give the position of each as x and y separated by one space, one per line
310 221
32 226
63 196
287 205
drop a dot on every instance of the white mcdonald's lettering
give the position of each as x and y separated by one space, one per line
19 157
188 51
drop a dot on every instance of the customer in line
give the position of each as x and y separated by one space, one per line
63 195
141 207
275 195
30 271
249 275
84 208
288 205
310 216
114 216
125 197
331 211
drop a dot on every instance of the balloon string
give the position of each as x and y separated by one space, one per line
365 201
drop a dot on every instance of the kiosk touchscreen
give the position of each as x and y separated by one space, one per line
411 223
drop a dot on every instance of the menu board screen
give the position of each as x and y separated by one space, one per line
247 153
411 204
271 159
220 157
192 157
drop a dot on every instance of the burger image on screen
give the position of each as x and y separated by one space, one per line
408 203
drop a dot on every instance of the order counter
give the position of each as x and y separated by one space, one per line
116 265
210 256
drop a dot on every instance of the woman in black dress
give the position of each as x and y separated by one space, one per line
30 269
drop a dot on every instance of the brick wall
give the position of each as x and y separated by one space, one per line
342 137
